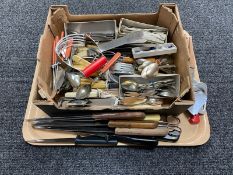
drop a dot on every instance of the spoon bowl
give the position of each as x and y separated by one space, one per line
83 92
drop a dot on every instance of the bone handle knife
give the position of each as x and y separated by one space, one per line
133 124
159 131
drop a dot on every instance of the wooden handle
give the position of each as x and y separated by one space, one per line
120 116
128 60
154 117
62 34
54 53
159 131
69 48
111 62
132 124
100 84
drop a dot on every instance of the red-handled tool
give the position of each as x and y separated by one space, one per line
68 49
94 66
111 62
54 53
62 34
54 61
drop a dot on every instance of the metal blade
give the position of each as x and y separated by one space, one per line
63 120
63 124
56 140
83 117
79 129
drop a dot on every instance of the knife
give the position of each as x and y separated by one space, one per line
84 129
159 131
147 124
92 140
101 140
101 116
69 124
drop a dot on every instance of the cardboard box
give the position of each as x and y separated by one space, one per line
191 135
167 16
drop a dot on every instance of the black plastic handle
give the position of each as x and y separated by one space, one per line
137 140
95 140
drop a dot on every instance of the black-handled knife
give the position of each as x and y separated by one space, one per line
90 140
102 140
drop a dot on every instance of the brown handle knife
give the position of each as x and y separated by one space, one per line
133 124
159 131
120 116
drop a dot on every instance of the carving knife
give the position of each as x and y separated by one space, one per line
101 140
83 129
159 131
145 124
112 140
100 116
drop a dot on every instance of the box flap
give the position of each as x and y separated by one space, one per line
44 57
167 18
58 18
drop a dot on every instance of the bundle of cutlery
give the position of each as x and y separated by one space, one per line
93 51
126 127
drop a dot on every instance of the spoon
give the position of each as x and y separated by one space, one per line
153 101
131 86
145 64
150 71
166 94
83 91
74 79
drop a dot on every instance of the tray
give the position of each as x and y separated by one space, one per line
192 135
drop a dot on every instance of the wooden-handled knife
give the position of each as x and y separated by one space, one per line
146 124
159 131
98 116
